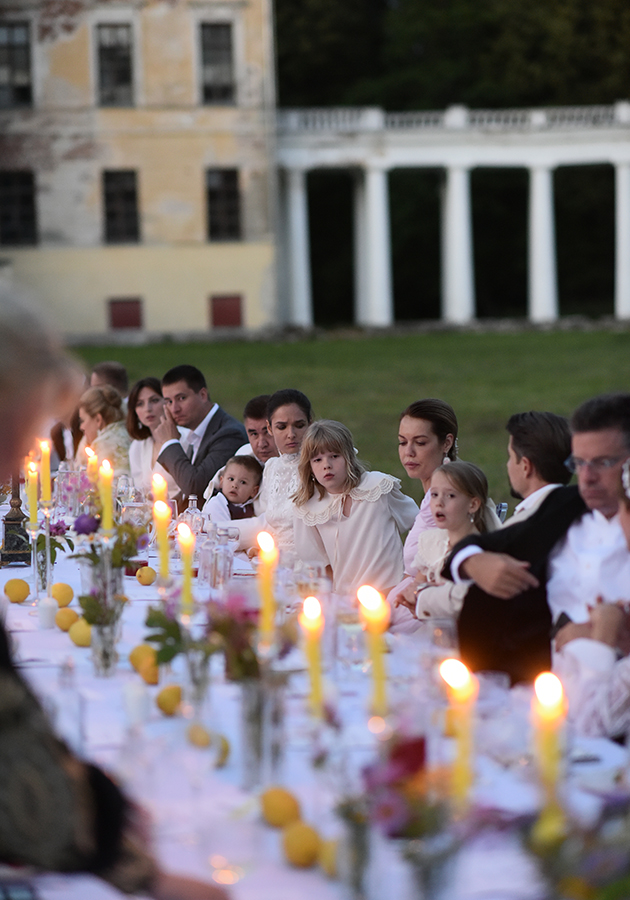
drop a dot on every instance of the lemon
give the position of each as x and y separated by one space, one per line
80 633
65 618
169 699
279 807
17 590
198 735
62 593
224 750
148 669
146 575
140 653
327 857
301 844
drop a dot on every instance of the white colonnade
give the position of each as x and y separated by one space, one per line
371 143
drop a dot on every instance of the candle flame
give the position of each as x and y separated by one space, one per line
312 608
369 597
89 452
454 673
183 530
44 445
548 689
377 724
265 542
32 467
106 466
158 480
161 509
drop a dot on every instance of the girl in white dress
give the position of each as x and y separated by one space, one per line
144 412
346 518
459 504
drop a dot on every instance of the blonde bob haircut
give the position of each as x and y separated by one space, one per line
326 436
471 481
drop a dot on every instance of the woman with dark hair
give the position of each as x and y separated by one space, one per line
427 438
144 413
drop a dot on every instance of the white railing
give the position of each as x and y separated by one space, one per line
354 119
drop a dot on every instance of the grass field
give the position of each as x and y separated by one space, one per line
365 382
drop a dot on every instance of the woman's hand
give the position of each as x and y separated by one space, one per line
407 598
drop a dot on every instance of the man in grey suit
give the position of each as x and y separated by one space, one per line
214 435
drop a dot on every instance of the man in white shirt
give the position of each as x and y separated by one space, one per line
213 438
560 560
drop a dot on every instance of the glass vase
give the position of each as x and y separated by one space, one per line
428 858
42 573
262 730
353 858
104 653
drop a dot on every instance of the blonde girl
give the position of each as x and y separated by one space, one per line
346 518
460 506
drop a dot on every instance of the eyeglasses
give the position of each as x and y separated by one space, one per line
600 464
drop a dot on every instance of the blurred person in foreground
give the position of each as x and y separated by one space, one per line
56 812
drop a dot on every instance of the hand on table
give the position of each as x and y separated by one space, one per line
166 430
499 574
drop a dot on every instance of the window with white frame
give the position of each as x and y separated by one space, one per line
15 65
115 64
217 63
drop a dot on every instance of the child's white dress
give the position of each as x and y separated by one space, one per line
364 547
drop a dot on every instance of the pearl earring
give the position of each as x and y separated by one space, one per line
446 459
472 517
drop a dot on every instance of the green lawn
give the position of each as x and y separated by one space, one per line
366 382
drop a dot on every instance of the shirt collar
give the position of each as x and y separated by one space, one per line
196 434
534 496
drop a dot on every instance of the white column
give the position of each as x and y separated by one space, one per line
378 309
458 290
359 246
622 241
299 259
543 287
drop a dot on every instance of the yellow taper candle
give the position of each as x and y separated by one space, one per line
267 562
31 492
92 465
462 690
311 621
105 480
161 520
375 613
159 488
186 541
44 470
548 713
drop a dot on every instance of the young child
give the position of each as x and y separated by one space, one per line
346 518
459 505
239 486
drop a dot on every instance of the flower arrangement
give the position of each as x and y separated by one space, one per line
58 535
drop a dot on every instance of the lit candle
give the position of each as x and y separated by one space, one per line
44 471
105 479
267 562
548 713
186 541
462 689
375 613
159 488
161 520
311 621
31 492
92 465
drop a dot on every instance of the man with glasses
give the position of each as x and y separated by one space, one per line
547 570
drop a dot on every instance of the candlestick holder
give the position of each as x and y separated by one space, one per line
47 507
33 530
16 544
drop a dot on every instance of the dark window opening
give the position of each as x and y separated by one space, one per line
125 313
120 195
115 76
217 70
15 65
224 205
226 311
17 208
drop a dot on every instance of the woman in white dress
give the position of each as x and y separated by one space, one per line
427 437
144 412
348 519
289 413
102 423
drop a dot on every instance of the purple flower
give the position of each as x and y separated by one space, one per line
382 774
143 541
389 811
58 529
86 524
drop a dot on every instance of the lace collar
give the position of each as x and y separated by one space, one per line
371 487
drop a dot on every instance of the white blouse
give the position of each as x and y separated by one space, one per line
140 456
364 547
280 482
439 597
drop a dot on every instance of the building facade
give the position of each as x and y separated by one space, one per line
137 162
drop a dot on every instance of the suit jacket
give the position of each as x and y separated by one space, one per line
513 636
223 436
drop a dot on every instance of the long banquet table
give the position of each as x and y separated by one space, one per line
200 812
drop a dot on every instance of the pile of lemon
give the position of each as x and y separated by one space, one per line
302 845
